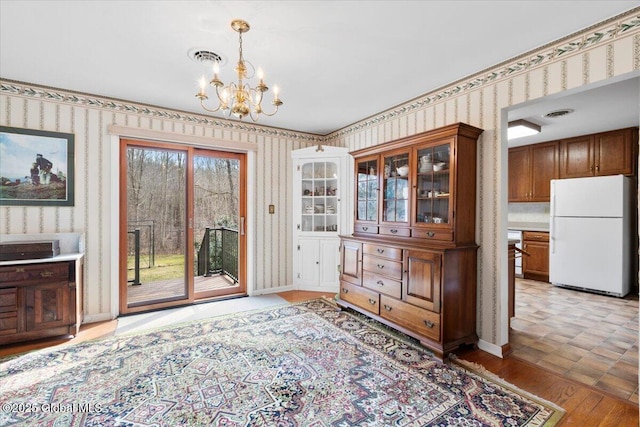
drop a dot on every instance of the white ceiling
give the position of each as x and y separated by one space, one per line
335 62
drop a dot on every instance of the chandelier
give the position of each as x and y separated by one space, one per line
238 99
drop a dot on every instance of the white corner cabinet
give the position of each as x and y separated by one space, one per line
321 211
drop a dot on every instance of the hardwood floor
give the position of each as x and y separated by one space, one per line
586 406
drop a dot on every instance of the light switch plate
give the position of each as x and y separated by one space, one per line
272 209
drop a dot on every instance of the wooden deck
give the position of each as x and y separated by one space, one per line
174 288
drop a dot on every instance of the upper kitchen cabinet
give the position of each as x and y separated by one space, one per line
421 186
531 169
606 153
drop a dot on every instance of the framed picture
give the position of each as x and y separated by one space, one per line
36 167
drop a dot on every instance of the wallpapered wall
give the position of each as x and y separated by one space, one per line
604 51
607 50
33 107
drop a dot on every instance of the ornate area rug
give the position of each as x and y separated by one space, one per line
299 365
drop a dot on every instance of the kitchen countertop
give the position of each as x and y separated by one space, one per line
528 226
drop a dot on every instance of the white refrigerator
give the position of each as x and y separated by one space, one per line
590 234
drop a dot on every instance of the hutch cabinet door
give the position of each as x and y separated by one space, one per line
47 305
422 279
367 187
434 186
351 262
395 188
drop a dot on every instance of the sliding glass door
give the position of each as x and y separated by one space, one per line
182 218
217 225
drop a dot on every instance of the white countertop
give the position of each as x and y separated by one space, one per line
528 226
61 257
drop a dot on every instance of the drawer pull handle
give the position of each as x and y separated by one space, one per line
380 283
393 231
365 228
429 323
380 250
380 266
345 290
19 270
387 307
430 233
372 301
46 274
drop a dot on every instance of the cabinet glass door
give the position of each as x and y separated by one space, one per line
395 188
367 198
319 197
433 185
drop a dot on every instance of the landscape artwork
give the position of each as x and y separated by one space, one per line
36 167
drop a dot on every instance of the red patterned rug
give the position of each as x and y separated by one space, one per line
307 364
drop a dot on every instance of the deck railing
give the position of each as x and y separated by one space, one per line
218 253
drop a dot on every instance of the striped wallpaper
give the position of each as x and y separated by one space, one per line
606 50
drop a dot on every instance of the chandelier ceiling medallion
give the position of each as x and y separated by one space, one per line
238 99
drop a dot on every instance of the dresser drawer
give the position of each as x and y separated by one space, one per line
381 284
28 272
441 235
421 321
8 323
382 251
395 231
367 229
361 297
382 266
8 299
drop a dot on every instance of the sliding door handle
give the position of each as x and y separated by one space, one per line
242 226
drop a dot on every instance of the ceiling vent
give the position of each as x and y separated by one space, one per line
206 56
559 113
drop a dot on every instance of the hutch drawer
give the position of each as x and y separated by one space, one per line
382 266
361 297
422 321
382 251
381 284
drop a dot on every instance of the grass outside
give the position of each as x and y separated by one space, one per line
166 267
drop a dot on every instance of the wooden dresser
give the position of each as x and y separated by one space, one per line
40 298
412 260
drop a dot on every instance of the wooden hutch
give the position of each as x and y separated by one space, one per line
411 262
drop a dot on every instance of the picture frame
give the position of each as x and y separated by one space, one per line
36 167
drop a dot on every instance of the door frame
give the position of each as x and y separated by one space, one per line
180 140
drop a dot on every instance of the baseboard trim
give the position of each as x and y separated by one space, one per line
272 290
492 348
100 317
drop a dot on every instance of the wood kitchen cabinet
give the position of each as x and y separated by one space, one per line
40 300
606 153
531 169
411 262
535 264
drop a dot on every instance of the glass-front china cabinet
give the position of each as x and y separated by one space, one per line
320 212
411 261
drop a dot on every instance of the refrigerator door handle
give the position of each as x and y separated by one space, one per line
552 235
